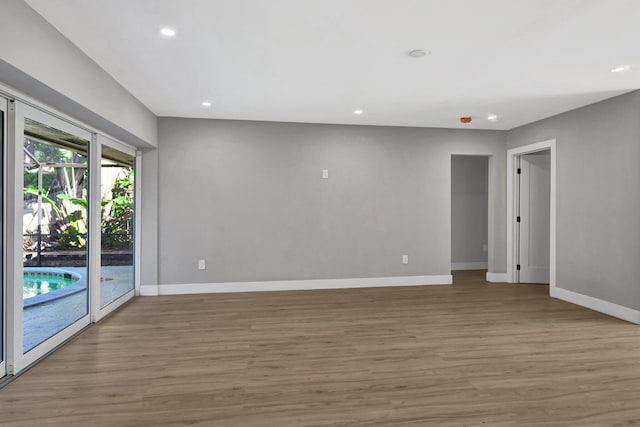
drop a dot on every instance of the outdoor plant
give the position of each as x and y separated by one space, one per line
117 214
63 189
68 211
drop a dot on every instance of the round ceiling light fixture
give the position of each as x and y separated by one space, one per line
168 32
418 53
206 104
492 117
621 69
358 112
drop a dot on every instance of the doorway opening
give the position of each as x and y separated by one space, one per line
532 217
531 213
469 217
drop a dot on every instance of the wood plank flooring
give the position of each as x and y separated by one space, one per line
469 354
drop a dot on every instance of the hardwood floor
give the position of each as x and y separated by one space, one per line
469 354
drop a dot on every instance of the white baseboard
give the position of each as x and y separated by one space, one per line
497 277
469 265
298 285
149 290
606 307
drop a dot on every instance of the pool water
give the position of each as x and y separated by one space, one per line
43 283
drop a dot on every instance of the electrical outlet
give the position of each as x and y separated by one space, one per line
405 259
201 264
485 248
325 173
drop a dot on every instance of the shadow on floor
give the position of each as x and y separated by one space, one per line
469 277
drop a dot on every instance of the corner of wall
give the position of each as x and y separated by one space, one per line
149 224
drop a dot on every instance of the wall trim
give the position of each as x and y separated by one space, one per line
149 291
299 285
606 307
482 265
496 277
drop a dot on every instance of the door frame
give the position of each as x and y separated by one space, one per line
17 360
513 156
4 107
98 312
16 104
490 203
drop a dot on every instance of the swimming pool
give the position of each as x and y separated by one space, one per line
41 281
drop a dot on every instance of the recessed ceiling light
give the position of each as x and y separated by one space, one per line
492 117
169 32
419 53
206 104
358 112
621 69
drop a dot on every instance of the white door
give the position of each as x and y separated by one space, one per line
534 217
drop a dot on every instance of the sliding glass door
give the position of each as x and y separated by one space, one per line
52 278
70 235
117 224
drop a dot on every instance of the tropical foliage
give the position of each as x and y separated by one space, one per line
117 214
64 195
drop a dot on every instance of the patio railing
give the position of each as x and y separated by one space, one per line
49 245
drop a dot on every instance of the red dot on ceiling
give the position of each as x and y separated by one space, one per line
465 120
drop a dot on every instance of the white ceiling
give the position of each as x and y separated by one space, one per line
319 60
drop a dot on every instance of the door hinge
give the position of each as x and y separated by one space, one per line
518 219
518 267
519 171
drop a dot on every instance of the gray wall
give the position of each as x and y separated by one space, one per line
148 194
249 198
42 63
469 208
598 208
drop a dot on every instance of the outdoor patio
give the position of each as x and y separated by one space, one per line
41 321
56 230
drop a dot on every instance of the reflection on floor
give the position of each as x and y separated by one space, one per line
42 321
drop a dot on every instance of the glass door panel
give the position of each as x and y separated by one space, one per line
117 188
3 127
55 231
